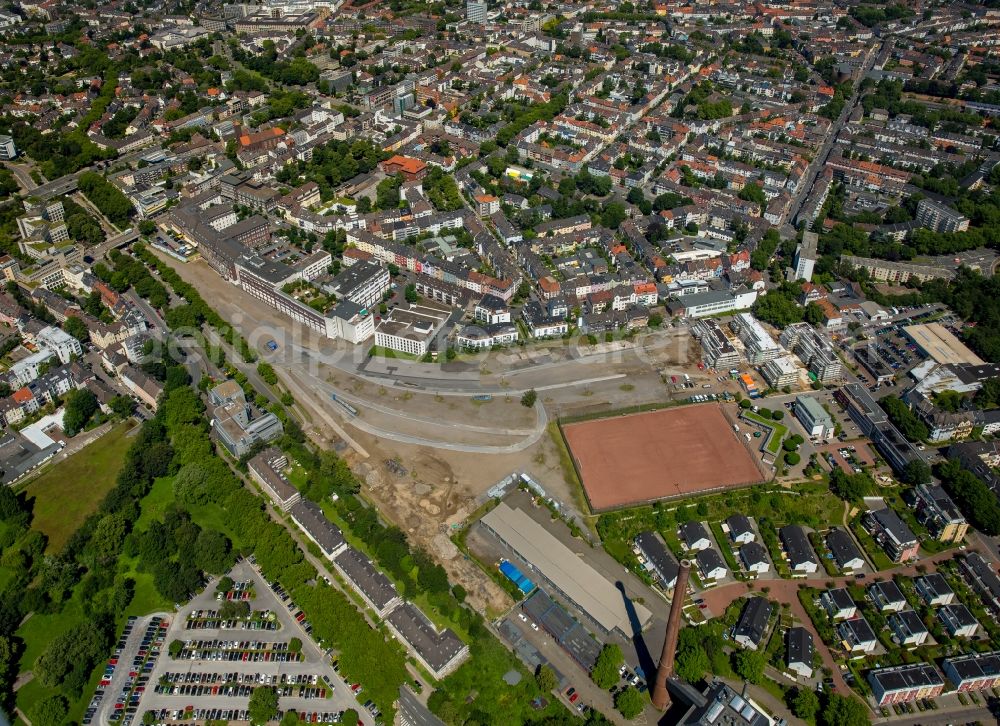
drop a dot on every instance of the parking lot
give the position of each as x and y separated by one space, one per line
225 653
127 673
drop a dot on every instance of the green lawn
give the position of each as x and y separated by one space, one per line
155 503
67 492
778 431
297 475
877 555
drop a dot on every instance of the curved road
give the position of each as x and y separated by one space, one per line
786 591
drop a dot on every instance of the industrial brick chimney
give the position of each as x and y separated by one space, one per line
661 698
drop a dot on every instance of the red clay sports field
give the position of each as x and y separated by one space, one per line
642 457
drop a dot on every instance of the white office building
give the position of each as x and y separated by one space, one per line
813 417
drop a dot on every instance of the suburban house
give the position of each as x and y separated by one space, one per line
750 629
857 635
974 671
845 553
694 536
740 529
754 558
656 559
934 589
886 596
908 628
799 553
983 579
958 620
799 647
710 565
838 604
902 683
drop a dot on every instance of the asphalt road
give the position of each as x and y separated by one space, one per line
413 713
819 161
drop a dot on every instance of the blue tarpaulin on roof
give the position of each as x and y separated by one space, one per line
512 573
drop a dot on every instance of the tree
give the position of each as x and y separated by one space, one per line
692 659
605 670
291 718
529 398
349 718
805 704
267 374
67 661
630 702
411 293
213 551
545 678
175 648
77 328
294 645
792 458
844 711
777 414
988 396
263 705
916 472
613 214
850 487
122 406
50 711
905 420
80 407
749 665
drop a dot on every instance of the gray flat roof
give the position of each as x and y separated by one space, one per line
571 575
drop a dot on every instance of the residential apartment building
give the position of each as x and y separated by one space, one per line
266 469
893 534
780 372
940 217
757 342
941 516
363 283
905 683
717 350
973 672
814 350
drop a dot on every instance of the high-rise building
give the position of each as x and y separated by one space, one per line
8 150
805 256
940 217
475 11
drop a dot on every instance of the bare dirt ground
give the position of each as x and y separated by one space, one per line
442 487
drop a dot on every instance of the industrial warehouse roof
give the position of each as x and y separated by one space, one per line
941 344
571 575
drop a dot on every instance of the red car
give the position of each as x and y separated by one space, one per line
574 697
673 379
